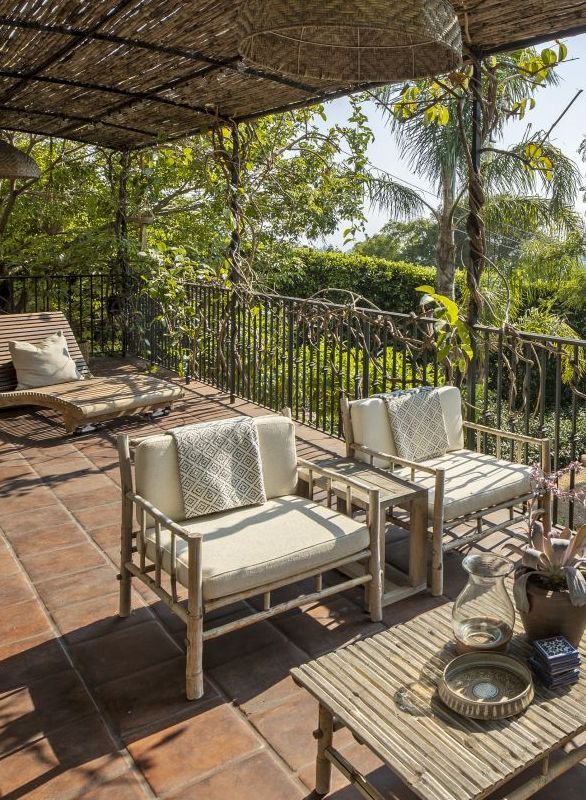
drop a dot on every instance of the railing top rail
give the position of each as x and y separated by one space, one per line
324 303
539 337
61 276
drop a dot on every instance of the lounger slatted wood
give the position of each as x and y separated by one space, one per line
94 399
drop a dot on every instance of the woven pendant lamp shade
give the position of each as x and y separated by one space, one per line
355 41
16 164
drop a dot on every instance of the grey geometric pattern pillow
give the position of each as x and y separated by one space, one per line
219 466
417 423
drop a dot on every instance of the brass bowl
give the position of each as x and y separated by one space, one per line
486 686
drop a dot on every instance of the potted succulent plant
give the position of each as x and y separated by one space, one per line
550 582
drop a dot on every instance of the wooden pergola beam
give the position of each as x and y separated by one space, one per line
31 77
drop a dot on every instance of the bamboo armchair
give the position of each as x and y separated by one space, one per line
83 403
167 552
496 482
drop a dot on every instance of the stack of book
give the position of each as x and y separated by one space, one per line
555 661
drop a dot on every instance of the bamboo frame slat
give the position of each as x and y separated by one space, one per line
383 689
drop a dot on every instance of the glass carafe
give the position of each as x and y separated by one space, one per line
483 615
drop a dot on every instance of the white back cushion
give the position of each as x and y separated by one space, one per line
371 426
157 470
451 401
44 363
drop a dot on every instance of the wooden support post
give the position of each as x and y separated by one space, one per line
324 736
475 231
121 228
234 172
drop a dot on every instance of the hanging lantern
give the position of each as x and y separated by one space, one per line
145 218
16 164
351 41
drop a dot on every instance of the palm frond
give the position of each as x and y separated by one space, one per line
400 201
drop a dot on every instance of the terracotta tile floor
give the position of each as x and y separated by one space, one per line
92 706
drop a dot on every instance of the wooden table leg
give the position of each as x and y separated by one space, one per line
418 541
550 773
324 735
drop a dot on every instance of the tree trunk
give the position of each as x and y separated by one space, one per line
121 222
446 257
445 282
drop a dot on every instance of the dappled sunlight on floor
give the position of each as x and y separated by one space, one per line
92 705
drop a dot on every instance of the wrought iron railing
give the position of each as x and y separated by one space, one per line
92 303
280 351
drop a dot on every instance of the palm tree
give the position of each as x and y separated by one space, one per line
518 197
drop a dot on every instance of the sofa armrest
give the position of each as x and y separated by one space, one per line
519 438
402 462
162 519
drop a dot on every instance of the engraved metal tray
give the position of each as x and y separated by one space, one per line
486 686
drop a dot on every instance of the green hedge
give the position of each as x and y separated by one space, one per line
390 285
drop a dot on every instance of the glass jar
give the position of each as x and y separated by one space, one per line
483 615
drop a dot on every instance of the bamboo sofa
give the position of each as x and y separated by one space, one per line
234 555
81 403
465 486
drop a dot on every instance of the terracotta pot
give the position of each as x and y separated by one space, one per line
552 613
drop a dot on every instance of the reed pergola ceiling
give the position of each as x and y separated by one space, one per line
130 73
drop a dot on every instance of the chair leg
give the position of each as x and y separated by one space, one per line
437 560
437 552
125 575
377 538
194 669
323 767
125 593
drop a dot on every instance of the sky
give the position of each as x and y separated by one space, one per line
551 101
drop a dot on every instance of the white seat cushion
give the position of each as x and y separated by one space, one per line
254 546
473 482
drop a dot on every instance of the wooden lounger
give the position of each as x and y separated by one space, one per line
80 402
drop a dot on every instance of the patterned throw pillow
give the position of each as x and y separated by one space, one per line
417 423
43 364
219 466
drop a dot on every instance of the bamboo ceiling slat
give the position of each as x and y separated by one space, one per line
129 73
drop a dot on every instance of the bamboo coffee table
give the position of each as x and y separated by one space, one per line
383 689
393 491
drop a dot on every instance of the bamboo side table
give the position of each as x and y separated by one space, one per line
383 689
393 492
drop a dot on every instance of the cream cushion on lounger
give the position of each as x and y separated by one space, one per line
473 481
45 363
259 545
